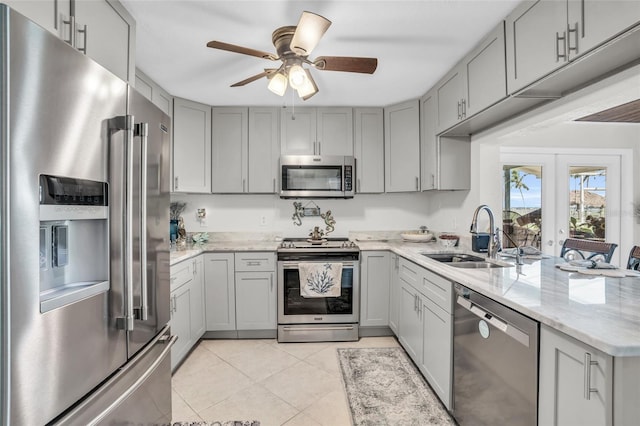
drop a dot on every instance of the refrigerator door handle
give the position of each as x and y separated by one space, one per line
141 130
125 123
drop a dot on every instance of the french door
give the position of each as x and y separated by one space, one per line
549 197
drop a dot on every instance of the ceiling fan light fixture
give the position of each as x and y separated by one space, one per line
297 76
309 88
278 84
309 31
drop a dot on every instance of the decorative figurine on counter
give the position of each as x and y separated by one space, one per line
316 234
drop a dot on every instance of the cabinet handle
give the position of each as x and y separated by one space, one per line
587 376
464 108
72 30
575 31
194 268
319 148
558 40
359 187
254 263
271 282
433 180
417 183
314 148
175 183
459 113
85 33
243 184
274 186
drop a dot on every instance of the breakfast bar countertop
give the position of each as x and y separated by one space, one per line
600 311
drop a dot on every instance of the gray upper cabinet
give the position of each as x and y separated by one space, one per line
102 29
402 147
542 36
49 14
369 149
244 149
229 146
152 91
316 131
264 149
475 83
428 141
191 146
105 31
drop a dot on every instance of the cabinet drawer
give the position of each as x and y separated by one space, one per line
438 289
255 261
409 272
181 273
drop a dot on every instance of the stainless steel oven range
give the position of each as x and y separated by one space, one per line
316 319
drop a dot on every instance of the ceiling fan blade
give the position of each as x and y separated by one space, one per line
239 49
346 63
254 77
310 29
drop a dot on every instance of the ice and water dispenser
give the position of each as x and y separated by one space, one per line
74 240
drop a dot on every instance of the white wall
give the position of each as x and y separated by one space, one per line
245 213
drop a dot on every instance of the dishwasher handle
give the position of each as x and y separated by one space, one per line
497 322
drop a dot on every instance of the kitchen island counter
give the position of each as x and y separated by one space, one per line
600 311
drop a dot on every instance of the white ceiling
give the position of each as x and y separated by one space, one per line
415 42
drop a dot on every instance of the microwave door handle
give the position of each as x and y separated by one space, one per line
142 131
125 123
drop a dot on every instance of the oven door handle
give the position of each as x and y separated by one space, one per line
294 264
340 327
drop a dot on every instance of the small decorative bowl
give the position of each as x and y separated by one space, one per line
417 236
448 240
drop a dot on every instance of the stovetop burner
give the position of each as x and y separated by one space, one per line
325 243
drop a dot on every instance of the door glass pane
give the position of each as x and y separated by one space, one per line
522 205
587 202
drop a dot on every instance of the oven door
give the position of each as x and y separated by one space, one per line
295 309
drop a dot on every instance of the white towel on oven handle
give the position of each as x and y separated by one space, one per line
320 279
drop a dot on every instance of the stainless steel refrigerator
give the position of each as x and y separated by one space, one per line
84 261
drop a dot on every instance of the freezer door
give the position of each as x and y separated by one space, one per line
54 121
150 224
140 394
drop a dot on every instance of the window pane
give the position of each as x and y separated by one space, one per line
522 205
587 202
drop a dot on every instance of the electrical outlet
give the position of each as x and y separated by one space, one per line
263 221
203 222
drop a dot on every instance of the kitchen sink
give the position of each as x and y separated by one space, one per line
466 261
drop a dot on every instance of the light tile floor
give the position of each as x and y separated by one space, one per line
290 384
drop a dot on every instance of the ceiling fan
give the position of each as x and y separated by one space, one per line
293 46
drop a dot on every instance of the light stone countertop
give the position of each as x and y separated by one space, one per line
599 311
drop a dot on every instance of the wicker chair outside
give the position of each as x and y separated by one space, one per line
574 248
634 259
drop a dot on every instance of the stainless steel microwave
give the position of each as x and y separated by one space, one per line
316 176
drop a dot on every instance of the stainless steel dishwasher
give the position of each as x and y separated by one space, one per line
495 363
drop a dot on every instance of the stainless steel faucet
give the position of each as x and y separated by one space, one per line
494 239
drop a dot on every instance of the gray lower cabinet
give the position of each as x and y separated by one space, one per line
220 298
374 288
425 327
394 293
255 290
576 382
186 306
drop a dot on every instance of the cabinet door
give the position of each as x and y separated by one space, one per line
104 32
255 301
220 298
402 147
180 323
49 14
191 146
369 149
334 134
156 94
563 396
535 41
374 288
592 22
394 294
229 149
450 93
197 300
298 131
428 141
410 324
436 349
264 149
485 70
